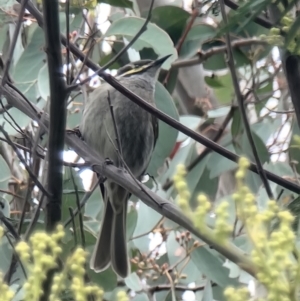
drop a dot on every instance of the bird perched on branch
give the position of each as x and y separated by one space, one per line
120 130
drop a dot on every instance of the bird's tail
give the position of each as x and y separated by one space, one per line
111 245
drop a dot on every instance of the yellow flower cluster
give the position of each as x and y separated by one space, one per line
276 36
122 296
75 265
271 250
5 292
237 294
39 256
222 228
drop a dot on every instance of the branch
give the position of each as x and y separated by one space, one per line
204 55
122 178
58 97
259 20
240 100
14 41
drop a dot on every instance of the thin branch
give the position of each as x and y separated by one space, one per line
240 100
207 150
202 56
180 288
187 29
79 210
14 41
32 175
58 111
68 39
123 179
34 219
15 100
259 20
82 202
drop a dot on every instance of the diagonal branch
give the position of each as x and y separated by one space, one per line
121 177
240 100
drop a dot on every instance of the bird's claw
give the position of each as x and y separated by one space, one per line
75 131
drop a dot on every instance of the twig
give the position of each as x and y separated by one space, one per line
28 192
187 29
34 219
202 56
240 100
82 203
67 13
259 20
166 287
73 225
14 260
58 111
32 175
79 210
14 41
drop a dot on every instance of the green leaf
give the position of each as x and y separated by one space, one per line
237 125
225 93
218 164
133 282
260 146
141 297
132 217
213 81
94 205
5 174
184 156
218 61
146 221
208 293
210 264
294 151
69 193
43 82
198 34
33 57
171 19
106 279
190 121
167 135
153 37
118 3
220 112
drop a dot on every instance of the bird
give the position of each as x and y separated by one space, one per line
135 131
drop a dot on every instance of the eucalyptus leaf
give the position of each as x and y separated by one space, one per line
153 37
171 19
212 267
198 34
167 135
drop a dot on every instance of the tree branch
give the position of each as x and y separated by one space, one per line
240 100
58 97
122 178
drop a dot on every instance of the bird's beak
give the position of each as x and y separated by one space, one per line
160 61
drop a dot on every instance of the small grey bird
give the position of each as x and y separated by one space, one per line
137 131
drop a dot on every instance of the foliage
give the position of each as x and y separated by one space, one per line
167 261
